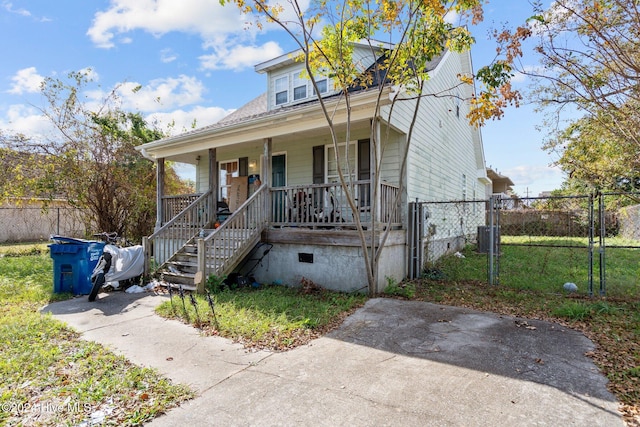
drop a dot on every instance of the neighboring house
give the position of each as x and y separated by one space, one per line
501 184
502 187
272 162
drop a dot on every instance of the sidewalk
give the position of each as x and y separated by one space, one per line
391 363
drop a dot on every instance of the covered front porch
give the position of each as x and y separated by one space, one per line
284 189
300 220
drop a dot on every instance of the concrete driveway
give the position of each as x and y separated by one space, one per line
390 363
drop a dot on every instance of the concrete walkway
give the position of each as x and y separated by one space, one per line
392 363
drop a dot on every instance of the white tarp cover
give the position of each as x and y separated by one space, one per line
126 263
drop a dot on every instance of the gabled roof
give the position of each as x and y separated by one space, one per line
289 58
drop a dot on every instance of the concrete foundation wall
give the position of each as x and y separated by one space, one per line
339 268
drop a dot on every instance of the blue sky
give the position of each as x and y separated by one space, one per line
194 60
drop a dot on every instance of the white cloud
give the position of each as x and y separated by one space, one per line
452 17
157 95
8 6
163 93
168 55
204 17
224 29
536 178
26 80
239 57
91 74
179 121
26 120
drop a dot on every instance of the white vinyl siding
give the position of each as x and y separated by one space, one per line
443 146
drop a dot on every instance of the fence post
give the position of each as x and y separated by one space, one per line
146 253
603 225
415 231
492 204
591 238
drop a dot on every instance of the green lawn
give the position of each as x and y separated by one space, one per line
547 268
50 376
274 316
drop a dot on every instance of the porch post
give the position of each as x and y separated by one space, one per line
267 144
375 156
213 183
159 192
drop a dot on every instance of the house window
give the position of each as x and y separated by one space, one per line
299 87
347 168
228 170
282 90
322 86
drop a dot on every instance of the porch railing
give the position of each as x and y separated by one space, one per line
325 205
178 230
388 196
314 205
173 205
236 236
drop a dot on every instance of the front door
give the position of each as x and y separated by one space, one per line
278 170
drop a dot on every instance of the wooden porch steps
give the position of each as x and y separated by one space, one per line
181 267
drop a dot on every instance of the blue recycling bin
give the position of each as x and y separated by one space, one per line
73 263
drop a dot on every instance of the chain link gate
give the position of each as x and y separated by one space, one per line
547 226
594 218
588 239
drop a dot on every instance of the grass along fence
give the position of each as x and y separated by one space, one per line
545 264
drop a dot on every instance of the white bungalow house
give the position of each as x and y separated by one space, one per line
272 162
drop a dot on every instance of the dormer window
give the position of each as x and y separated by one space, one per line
299 87
294 87
322 85
282 90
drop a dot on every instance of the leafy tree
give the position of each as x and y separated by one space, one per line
89 159
419 32
591 154
589 67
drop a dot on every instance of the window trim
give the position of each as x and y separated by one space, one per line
328 147
276 92
292 80
299 82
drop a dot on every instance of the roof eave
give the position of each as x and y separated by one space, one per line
297 115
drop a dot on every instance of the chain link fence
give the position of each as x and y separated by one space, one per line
33 224
541 243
